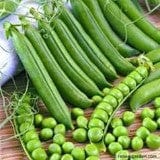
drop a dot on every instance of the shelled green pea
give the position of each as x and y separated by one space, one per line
54 148
67 147
147 113
111 100
135 75
96 99
116 121
80 135
91 150
106 107
123 88
38 118
33 144
26 126
49 122
78 153
59 139
153 141
100 114
114 147
128 118
30 135
142 132
82 122
55 156
150 124
106 91
95 122
46 134
60 128
95 134
25 117
120 131
137 143
157 113
130 82
124 141
76 112
67 157
39 154
109 138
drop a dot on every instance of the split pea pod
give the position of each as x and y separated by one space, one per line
139 19
124 49
82 12
125 27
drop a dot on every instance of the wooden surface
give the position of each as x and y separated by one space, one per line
12 150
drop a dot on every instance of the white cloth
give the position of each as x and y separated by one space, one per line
8 59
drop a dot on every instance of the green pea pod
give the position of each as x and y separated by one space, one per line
145 94
82 12
137 4
154 55
125 27
132 12
124 49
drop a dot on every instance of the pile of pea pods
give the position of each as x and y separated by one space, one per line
101 127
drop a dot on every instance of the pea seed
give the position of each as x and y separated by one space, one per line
157 113
124 89
80 135
33 144
95 134
137 143
106 91
157 102
130 82
46 134
39 154
67 157
67 147
120 131
124 141
116 122
78 153
94 122
59 139
24 127
54 148
82 122
60 128
106 107
38 118
100 114
136 76
30 135
24 108
111 100
149 124
109 138
128 118
55 156
114 147
142 132
122 155
158 122
142 71
153 141
117 94
92 158
76 112
96 99
147 113
91 150
49 123
24 118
